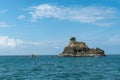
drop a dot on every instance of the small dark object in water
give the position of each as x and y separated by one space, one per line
32 56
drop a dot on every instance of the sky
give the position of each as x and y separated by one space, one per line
44 27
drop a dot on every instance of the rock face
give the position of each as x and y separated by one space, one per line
80 49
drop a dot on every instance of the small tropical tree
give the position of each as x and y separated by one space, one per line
73 39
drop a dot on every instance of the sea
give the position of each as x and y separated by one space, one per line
59 68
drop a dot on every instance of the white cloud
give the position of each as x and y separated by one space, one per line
14 46
6 42
88 14
21 17
9 42
3 24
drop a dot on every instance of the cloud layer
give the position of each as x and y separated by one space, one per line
20 47
88 14
3 24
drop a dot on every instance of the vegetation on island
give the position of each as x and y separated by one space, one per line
80 49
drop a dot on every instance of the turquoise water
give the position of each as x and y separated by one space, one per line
59 68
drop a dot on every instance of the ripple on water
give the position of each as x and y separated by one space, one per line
57 68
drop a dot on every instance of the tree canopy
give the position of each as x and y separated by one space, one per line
73 39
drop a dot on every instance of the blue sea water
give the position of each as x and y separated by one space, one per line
60 68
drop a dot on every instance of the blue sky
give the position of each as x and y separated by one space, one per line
45 26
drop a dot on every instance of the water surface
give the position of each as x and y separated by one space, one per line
60 68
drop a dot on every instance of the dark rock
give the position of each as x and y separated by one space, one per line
80 49
32 56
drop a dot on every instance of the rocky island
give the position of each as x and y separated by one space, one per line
80 49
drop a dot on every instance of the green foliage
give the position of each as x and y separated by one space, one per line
73 39
74 43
